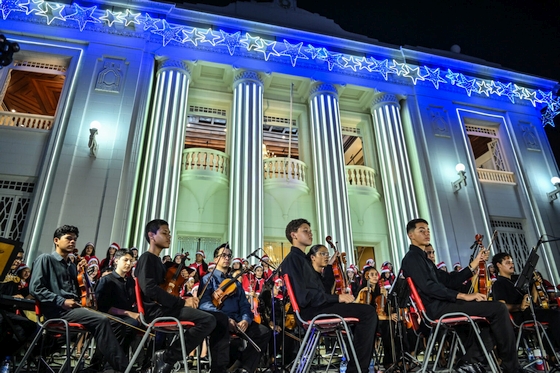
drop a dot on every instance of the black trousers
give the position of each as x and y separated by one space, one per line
364 331
15 330
260 334
500 327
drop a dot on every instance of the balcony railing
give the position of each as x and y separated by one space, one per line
206 160
495 176
360 176
278 168
40 122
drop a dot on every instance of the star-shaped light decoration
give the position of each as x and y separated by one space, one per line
208 36
294 52
83 15
130 17
414 74
483 88
521 92
315 52
399 68
350 62
231 40
467 84
364 63
333 59
506 90
383 68
52 11
191 36
453 77
32 6
8 6
433 76
112 17
267 48
545 97
149 22
548 117
532 96
249 42
169 33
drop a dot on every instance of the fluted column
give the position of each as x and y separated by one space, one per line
159 176
394 166
331 194
246 188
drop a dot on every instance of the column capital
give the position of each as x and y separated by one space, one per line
325 88
384 98
171 64
248 76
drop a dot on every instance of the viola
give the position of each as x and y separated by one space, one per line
86 288
173 279
340 277
542 296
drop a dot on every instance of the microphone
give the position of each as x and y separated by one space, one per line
254 254
539 241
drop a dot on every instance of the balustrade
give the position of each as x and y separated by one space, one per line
495 176
203 159
41 122
277 168
360 176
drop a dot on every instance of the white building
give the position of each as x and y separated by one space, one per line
230 122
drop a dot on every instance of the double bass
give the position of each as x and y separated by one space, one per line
339 270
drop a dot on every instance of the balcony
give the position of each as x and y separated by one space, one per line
204 164
40 122
362 192
495 176
284 170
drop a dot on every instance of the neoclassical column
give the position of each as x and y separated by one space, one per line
246 167
331 194
400 201
159 176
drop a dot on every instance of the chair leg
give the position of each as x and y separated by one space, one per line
306 353
139 349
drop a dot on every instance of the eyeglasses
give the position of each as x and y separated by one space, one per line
226 256
430 252
323 253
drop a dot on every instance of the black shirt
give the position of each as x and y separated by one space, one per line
150 273
504 289
116 291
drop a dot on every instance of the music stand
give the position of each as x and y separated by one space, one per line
8 253
524 279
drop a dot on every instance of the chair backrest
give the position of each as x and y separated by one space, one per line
290 290
415 297
138 292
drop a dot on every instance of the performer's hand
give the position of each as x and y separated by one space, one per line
394 317
478 297
243 325
525 303
81 264
70 303
133 315
232 326
345 298
191 302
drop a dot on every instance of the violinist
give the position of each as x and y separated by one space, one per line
199 264
353 279
224 295
504 290
313 298
267 271
439 298
54 283
150 272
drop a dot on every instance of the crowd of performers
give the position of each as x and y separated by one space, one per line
241 308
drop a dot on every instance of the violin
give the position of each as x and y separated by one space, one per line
86 288
10 277
340 276
173 279
542 296
227 287
482 280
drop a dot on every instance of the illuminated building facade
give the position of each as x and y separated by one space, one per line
228 125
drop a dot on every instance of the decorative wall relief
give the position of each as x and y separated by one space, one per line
110 78
439 121
529 136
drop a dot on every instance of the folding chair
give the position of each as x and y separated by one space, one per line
527 329
320 325
164 324
446 323
58 327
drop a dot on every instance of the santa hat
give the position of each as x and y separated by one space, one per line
455 265
200 252
440 265
190 279
236 260
278 280
89 244
265 258
114 245
370 262
93 260
385 269
490 265
195 286
352 268
211 265
257 266
385 264
366 267
21 267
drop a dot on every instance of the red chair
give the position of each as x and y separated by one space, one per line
163 324
321 325
528 330
446 323
58 327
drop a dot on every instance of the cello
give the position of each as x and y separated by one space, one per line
340 277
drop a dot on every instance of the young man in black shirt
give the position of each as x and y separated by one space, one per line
151 272
439 299
504 290
313 299
54 283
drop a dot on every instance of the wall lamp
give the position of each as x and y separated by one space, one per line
554 194
92 144
460 168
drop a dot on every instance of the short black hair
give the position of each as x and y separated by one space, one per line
499 258
293 226
66 229
411 225
122 252
313 250
217 250
153 227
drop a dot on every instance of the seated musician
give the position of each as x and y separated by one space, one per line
439 298
54 283
236 307
504 290
115 295
313 299
15 329
151 273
